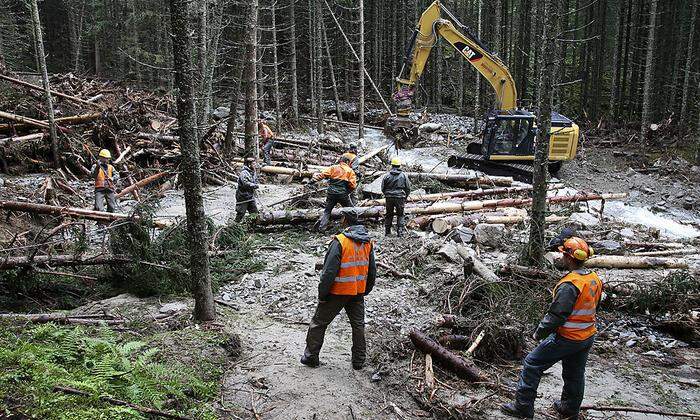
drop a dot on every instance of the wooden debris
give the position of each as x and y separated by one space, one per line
479 268
455 341
24 120
53 92
63 211
476 343
9 263
451 195
639 410
59 318
429 373
445 358
142 183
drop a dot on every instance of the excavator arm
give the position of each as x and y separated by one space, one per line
431 26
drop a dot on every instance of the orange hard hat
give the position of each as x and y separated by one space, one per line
577 249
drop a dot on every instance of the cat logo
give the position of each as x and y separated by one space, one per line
468 52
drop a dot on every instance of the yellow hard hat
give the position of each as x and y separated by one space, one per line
395 161
104 153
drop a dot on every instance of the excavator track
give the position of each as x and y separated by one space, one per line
519 172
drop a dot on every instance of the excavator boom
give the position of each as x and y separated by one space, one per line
430 26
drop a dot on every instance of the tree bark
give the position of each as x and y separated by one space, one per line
688 64
36 24
318 64
534 251
331 72
361 108
446 358
278 106
293 62
250 80
197 237
649 72
477 87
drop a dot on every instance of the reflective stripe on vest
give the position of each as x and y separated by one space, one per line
354 265
100 179
580 325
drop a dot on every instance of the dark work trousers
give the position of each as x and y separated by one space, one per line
394 205
107 195
243 206
331 201
326 311
267 151
573 355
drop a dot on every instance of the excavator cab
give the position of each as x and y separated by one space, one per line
508 134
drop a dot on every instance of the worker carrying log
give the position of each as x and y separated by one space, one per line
245 193
396 188
268 140
568 330
348 276
105 177
341 182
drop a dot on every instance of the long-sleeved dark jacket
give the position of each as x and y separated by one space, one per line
247 184
559 310
331 264
396 184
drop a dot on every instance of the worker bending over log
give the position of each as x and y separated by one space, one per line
396 188
105 177
341 182
245 193
568 330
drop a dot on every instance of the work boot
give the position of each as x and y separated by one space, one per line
358 366
387 230
399 231
563 412
512 410
310 361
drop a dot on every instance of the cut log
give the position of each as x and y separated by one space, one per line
476 343
309 215
28 137
113 401
619 261
373 153
445 358
394 272
53 92
142 183
9 263
654 245
63 121
479 268
456 194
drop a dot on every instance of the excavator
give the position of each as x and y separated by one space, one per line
508 137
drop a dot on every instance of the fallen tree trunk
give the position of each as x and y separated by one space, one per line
9 263
308 215
113 401
639 410
662 245
530 272
35 136
24 120
373 153
53 92
619 261
72 120
280 170
445 358
476 266
455 194
667 252
101 216
303 157
142 183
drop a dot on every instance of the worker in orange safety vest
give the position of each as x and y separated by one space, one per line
568 330
348 275
105 177
268 140
341 182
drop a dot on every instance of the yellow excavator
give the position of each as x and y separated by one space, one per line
507 141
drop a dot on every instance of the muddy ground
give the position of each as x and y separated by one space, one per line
270 310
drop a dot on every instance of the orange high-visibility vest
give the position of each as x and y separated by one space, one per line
580 325
266 133
351 279
341 172
101 179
